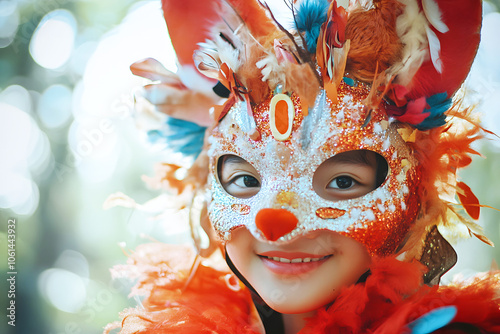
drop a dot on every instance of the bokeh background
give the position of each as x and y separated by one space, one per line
68 139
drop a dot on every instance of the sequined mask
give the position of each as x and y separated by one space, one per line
287 154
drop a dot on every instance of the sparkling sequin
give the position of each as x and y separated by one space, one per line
329 213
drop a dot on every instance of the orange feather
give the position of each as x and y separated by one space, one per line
374 39
468 200
254 16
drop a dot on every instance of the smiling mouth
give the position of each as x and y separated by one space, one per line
283 263
295 260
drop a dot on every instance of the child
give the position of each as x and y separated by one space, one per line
324 173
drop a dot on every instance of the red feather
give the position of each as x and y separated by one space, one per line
414 112
468 200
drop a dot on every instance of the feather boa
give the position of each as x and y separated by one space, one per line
178 135
211 301
390 300
393 297
254 16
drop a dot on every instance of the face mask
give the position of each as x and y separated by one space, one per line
286 153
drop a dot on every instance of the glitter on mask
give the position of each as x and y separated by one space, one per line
378 219
287 198
242 209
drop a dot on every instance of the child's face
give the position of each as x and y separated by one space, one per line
321 262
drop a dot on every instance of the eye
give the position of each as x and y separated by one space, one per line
246 181
238 177
342 182
349 175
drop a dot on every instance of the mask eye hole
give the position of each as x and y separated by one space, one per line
350 174
237 176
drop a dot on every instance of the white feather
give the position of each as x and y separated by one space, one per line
435 49
272 71
360 4
411 28
433 14
228 54
266 65
330 63
207 59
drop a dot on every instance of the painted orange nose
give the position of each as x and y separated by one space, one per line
275 223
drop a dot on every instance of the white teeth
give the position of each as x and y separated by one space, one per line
298 260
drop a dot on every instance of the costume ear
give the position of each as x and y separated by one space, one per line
453 34
440 40
189 23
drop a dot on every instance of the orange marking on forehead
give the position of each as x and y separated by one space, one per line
282 120
281 115
261 114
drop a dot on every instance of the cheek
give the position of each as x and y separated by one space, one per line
355 262
240 250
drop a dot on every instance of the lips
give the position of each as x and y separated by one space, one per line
296 260
284 263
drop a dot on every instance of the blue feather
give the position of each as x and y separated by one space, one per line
309 17
179 136
349 81
433 320
439 104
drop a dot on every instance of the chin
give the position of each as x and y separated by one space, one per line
297 307
294 298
